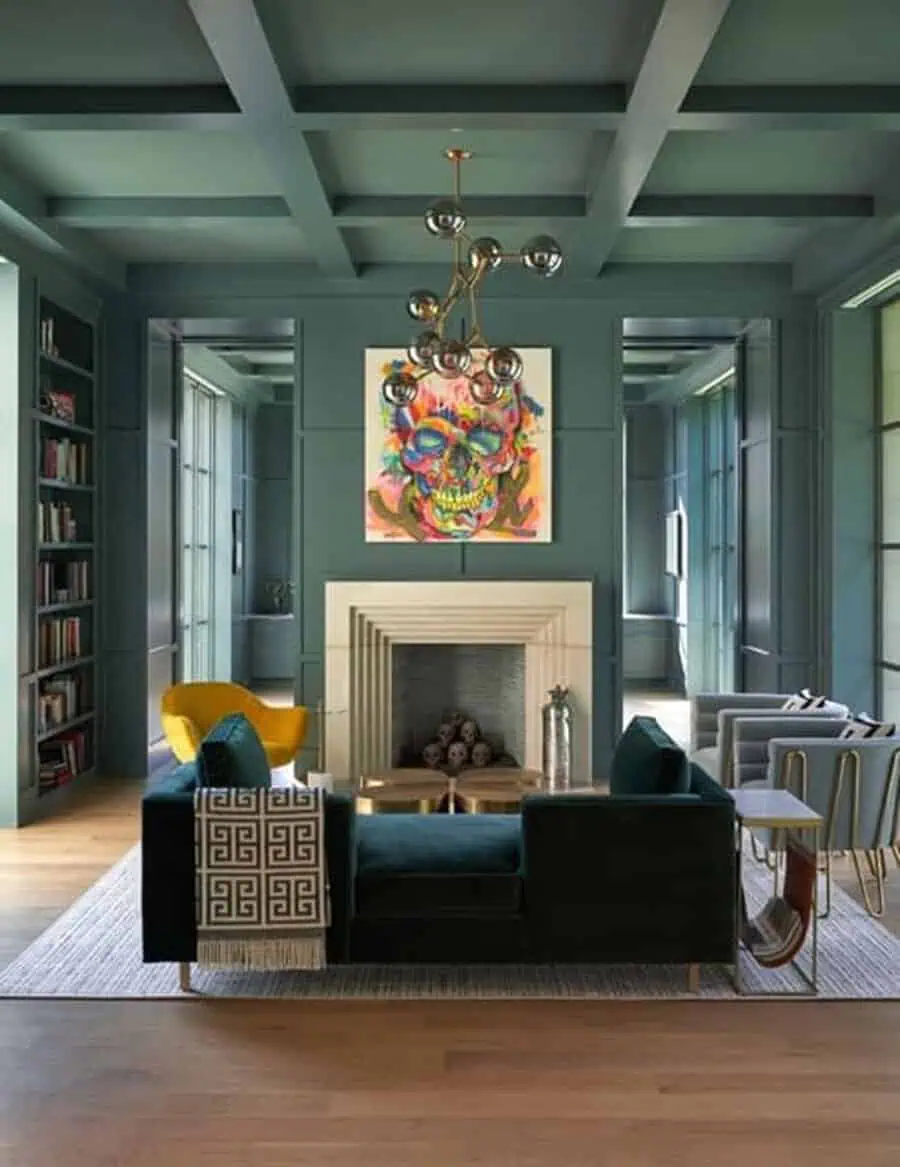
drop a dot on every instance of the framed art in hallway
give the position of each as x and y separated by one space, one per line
445 468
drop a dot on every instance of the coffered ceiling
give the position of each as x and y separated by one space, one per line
637 131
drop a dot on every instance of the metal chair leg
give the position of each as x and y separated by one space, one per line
875 862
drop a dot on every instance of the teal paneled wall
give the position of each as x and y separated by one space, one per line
333 330
273 505
586 475
848 510
647 585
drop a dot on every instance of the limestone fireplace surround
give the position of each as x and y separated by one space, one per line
552 620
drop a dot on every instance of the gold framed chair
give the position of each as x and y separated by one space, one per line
190 709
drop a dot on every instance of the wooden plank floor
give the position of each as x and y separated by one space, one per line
417 1084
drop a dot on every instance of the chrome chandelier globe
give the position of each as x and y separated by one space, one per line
490 371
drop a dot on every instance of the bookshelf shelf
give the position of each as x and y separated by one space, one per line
74 662
62 606
62 682
59 362
65 727
64 484
57 423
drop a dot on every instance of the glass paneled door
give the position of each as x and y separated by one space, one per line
197 531
889 517
720 531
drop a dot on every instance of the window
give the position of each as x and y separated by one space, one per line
720 536
889 516
196 445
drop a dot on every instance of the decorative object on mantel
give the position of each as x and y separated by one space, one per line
556 718
490 372
445 469
280 592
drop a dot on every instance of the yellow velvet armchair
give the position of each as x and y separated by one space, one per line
191 709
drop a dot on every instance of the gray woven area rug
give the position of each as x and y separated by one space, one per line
94 951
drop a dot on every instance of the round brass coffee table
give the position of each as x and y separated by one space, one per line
422 789
496 787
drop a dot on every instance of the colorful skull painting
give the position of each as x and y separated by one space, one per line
452 469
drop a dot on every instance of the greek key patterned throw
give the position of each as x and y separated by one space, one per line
262 881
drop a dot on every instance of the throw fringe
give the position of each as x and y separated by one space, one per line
263 955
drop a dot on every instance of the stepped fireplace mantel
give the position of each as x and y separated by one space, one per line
551 620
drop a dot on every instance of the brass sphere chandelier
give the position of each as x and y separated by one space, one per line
488 370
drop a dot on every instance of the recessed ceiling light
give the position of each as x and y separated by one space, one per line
874 290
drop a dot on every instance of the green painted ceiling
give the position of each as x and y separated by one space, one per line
637 131
325 42
805 42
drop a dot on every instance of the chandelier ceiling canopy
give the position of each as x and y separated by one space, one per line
489 370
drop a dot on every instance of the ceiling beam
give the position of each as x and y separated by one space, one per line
678 44
235 36
118 107
799 108
24 211
717 108
704 210
110 211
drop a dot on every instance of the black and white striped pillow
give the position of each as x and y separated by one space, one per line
861 725
805 699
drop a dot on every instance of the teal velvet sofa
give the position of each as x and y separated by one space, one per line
646 874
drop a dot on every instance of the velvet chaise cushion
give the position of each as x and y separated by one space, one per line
439 844
648 761
231 754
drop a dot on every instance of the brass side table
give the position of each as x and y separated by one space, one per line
778 810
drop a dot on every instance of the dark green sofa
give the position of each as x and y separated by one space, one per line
573 878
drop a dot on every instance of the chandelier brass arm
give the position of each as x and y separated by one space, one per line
490 371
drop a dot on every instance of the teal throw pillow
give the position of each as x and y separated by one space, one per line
648 761
231 754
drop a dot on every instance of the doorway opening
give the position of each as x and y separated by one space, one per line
682 467
221 396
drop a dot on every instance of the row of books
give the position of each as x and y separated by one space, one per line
59 700
48 345
59 640
65 460
62 583
61 759
56 523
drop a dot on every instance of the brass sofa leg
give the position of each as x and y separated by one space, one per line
184 977
693 978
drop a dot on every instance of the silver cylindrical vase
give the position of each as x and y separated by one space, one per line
556 717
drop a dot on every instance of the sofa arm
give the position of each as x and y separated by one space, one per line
705 712
751 737
629 877
168 915
168 908
853 783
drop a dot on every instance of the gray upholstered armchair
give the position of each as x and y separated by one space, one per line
854 783
712 730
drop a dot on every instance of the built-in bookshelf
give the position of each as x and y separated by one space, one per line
63 681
